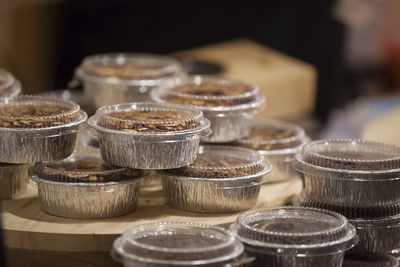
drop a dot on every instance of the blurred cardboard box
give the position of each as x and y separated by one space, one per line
287 83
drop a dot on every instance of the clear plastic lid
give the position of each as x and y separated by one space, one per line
354 212
9 86
300 230
209 93
223 162
130 66
145 117
370 260
178 243
83 169
38 112
274 135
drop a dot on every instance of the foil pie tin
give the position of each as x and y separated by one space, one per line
295 236
53 140
350 172
230 115
13 180
86 194
278 141
378 227
124 77
222 179
162 148
172 243
10 87
370 260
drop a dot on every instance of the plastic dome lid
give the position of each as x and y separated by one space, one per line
130 66
178 243
352 155
215 161
270 136
209 93
9 86
295 230
370 260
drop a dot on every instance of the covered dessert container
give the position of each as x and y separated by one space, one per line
176 244
278 141
295 236
229 105
149 135
36 129
85 187
10 87
124 77
350 172
13 179
221 179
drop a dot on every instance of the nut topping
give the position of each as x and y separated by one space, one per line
259 137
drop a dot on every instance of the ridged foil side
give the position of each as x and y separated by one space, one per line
13 180
228 128
205 196
376 239
70 200
282 168
103 93
122 150
350 192
45 146
282 260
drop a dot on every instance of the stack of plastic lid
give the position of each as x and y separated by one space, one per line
177 244
221 179
228 104
10 87
359 179
124 77
295 236
278 141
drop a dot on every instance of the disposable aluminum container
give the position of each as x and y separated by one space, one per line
278 141
222 179
66 189
9 86
124 77
229 105
295 236
35 138
177 244
370 260
168 137
349 172
13 180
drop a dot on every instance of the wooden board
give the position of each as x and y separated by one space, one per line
288 83
384 129
26 227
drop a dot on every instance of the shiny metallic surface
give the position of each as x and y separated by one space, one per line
282 168
88 200
207 195
325 188
39 145
13 180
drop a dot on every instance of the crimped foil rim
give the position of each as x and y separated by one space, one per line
191 80
381 222
231 241
359 259
300 134
257 158
196 114
79 120
299 164
203 128
35 178
32 98
267 168
171 65
351 141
